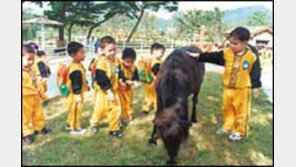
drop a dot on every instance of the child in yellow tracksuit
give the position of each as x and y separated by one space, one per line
157 51
42 70
77 85
128 74
106 84
242 73
32 112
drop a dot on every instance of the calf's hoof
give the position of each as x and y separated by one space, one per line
152 141
171 162
194 120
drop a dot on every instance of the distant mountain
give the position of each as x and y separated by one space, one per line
241 15
235 16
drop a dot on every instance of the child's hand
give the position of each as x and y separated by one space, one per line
137 84
122 85
129 82
256 92
78 98
44 79
110 95
197 55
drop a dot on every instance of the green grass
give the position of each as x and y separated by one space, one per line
203 147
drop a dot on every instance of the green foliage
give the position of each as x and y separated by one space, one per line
259 18
188 22
29 31
139 7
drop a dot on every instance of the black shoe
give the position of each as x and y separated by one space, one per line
67 127
117 134
94 129
28 139
44 131
144 113
152 141
45 103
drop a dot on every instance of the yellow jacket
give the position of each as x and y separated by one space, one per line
241 71
40 67
29 83
154 63
128 73
238 69
77 82
107 74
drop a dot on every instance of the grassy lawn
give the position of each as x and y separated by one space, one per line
203 147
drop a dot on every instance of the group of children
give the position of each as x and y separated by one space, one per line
113 78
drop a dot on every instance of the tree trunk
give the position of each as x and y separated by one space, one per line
69 32
97 25
62 19
90 31
135 27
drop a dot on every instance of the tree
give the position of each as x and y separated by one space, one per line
111 9
138 8
259 18
80 13
57 12
148 24
83 13
187 23
28 31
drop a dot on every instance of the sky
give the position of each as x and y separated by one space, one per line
183 6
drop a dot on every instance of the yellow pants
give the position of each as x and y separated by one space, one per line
236 109
126 102
74 111
104 107
33 116
149 97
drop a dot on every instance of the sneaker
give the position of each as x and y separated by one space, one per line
117 134
145 113
126 122
222 131
94 129
28 139
131 122
44 131
45 103
68 127
235 137
152 141
120 124
78 132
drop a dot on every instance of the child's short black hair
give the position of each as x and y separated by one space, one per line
241 33
40 53
157 46
73 47
27 49
106 40
129 53
34 46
